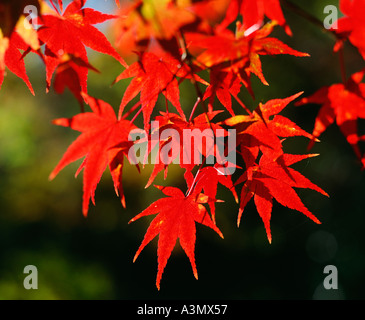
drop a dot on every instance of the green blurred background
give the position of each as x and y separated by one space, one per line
41 222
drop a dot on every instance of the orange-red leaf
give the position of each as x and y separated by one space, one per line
175 145
352 24
275 180
208 179
254 11
65 37
11 57
343 104
240 53
103 141
176 219
152 75
264 129
141 23
222 85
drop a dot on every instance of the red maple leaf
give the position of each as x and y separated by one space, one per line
207 180
222 85
188 150
12 58
177 215
343 103
264 128
352 25
68 76
240 53
274 179
142 23
153 75
65 37
103 142
253 13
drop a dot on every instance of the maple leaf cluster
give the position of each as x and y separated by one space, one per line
217 46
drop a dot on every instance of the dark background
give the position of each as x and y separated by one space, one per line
41 222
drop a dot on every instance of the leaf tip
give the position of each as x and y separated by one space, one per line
85 212
239 218
51 176
196 274
158 280
135 258
122 200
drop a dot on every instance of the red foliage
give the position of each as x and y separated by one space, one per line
175 42
65 37
11 57
351 26
343 104
253 12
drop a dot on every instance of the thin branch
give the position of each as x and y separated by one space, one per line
131 110
188 57
342 65
166 103
241 104
306 15
137 114
192 111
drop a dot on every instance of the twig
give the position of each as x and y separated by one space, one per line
314 20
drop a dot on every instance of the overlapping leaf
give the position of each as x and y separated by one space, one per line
240 54
143 23
153 75
187 143
275 180
222 85
253 13
207 180
65 37
263 130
